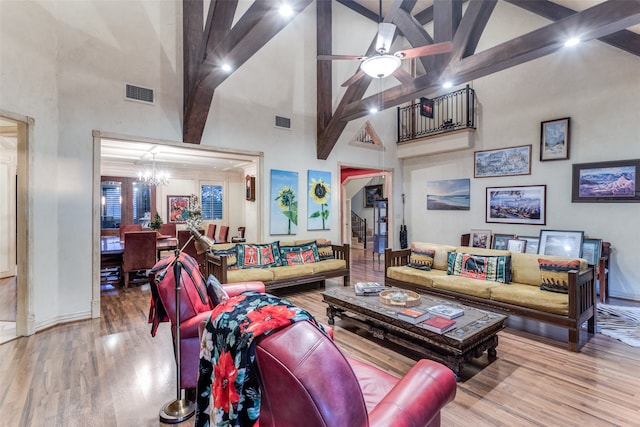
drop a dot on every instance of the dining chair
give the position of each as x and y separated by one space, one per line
168 230
223 235
190 249
125 228
211 231
139 254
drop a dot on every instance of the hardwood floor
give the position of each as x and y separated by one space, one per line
111 372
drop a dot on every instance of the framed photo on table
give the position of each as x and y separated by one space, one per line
480 239
500 241
177 209
591 250
516 245
561 243
554 139
532 244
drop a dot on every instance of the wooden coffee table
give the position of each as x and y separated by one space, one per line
475 332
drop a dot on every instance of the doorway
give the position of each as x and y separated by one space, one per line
14 302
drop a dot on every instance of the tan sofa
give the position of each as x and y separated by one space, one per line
522 296
281 276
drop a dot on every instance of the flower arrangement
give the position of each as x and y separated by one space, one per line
319 193
289 206
193 213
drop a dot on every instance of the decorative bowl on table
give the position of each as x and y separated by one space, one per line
400 297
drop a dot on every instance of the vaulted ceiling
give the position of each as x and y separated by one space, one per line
608 21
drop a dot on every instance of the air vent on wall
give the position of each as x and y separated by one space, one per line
283 122
139 94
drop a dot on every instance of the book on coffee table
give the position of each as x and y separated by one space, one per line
446 311
413 315
368 288
438 324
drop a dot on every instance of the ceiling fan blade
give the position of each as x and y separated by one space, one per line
349 57
386 31
430 49
357 76
403 76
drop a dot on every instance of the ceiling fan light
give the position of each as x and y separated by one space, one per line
380 66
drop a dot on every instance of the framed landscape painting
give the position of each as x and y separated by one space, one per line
449 195
554 139
503 162
517 205
606 182
532 244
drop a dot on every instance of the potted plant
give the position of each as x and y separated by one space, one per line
156 223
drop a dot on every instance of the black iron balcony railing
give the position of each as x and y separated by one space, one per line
453 111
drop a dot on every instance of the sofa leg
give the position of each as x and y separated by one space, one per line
574 339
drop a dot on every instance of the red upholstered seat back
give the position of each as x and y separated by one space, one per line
193 292
306 381
139 250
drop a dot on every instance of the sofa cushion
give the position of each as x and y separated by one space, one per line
440 259
493 268
465 285
324 249
554 275
254 255
232 256
525 268
414 276
421 259
250 275
216 292
299 254
329 265
531 297
291 271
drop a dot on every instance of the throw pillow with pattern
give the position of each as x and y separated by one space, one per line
492 268
325 251
554 275
259 255
421 259
216 292
231 254
299 254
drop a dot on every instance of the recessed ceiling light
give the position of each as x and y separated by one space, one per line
226 67
572 42
285 10
447 85
373 110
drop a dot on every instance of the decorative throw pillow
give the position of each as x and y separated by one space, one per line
555 274
421 259
259 255
325 251
299 254
216 292
492 268
232 257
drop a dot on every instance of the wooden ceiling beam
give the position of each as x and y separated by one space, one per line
471 27
259 24
611 16
324 76
624 39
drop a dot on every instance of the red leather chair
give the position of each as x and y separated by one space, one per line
193 312
223 235
211 231
306 380
168 230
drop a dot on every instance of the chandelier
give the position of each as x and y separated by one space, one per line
153 177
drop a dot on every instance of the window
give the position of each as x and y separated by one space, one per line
111 204
211 201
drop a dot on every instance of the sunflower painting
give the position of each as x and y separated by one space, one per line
284 202
319 192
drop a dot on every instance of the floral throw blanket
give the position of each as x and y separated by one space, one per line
228 385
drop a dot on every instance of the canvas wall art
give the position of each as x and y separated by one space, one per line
319 200
284 202
449 195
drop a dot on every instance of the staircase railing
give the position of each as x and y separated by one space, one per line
359 228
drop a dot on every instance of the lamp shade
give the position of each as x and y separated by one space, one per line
380 66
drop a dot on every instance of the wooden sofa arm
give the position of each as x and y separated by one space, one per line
216 265
396 258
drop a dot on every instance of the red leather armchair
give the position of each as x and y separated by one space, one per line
193 311
306 380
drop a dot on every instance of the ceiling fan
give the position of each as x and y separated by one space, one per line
383 63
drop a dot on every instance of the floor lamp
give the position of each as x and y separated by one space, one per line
179 409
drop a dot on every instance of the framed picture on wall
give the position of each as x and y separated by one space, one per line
371 194
606 182
554 139
517 205
177 209
502 162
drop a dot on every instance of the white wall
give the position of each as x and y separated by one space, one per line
598 86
